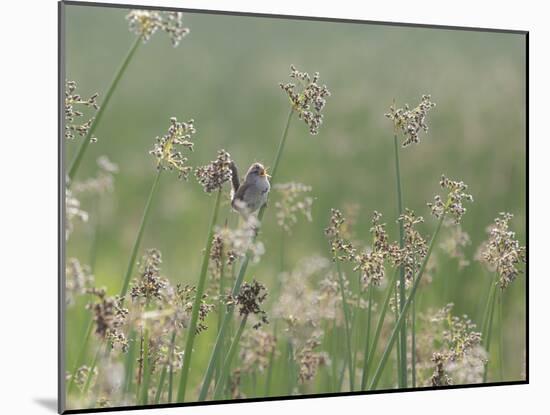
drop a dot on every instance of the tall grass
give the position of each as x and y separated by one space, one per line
240 276
197 303
157 342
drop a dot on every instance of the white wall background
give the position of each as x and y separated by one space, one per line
28 168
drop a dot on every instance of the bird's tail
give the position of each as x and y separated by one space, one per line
234 176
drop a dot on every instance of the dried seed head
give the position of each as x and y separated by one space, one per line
411 121
458 333
291 203
310 360
440 377
164 149
235 385
455 243
214 175
371 263
103 182
81 376
449 349
256 350
150 284
78 280
72 212
145 23
217 261
240 241
74 104
299 303
415 247
454 202
341 249
249 299
309 101
109 316
502 251
184 298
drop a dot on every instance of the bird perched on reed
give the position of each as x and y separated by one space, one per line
250 195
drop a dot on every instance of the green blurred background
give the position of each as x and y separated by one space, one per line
225 75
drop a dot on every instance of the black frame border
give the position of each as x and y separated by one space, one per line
61 207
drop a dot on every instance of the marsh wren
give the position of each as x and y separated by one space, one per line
250 195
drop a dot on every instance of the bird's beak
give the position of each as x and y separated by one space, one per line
263 173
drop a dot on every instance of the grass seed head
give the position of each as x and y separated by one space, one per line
308 102
146 23
342 249
78 280
411 121
249 299
454 201
74 104
238 242
502 252
256 350
371 262
309 359
214 175
109 316
150 284
165 148
102 182
72 212
293 200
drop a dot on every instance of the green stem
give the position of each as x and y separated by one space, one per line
220 383
403 334
170 383
365 374
197 303
346 324
487 311
90 373
221 305
396 312
137 242
489 331
129 362
391 287
227 319
291 369
500 336
282 143
114 83
403 313
269 375
413 343
146 370
81 355
165 368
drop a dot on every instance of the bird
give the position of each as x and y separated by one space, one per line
250 195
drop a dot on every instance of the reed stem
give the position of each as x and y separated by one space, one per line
403 333
197 303
112 87
347 326
139 236
391 287
365 374
406 306
220 383
244 265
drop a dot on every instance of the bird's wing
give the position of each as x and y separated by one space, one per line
234 176
239 194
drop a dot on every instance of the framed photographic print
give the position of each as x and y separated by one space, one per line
258 207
